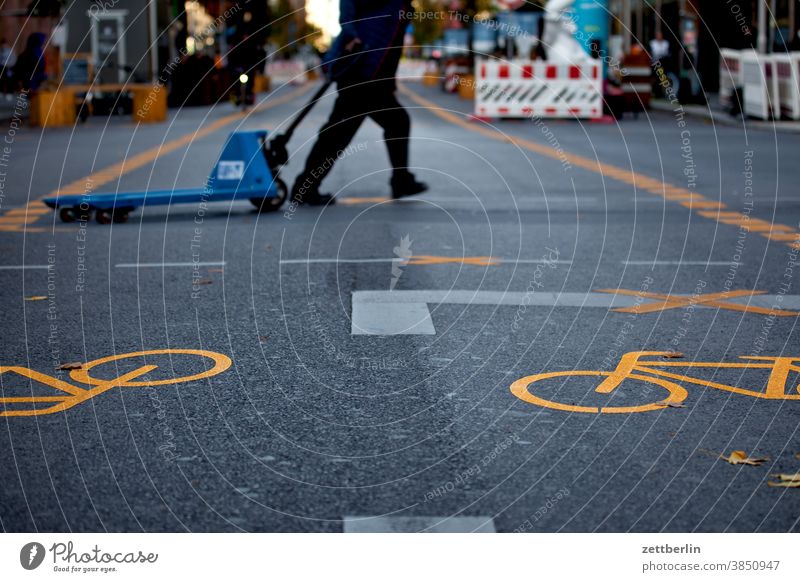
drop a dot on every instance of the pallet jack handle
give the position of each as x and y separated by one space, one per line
275 149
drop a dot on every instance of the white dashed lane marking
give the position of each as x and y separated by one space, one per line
160 265
427 524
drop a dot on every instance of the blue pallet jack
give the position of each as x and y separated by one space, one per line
241 172
247 169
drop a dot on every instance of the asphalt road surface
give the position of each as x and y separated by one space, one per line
412 365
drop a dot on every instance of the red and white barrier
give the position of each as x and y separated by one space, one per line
788 73
414 69
523 88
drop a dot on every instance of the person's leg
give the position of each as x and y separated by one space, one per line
393 118
333 137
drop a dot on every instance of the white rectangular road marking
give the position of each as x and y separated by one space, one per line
189 264
406 312
427 524
391 319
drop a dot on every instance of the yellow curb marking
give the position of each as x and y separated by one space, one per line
74 395
668 191
630 367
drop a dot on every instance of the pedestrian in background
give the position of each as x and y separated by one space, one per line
29 69
363 61
659 48
661 54
7 61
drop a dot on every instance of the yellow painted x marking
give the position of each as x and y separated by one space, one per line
718 300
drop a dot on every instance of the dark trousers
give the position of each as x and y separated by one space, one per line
374 100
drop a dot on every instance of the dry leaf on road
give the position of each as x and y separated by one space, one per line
787 476
36 298
71 366
785 480
741 458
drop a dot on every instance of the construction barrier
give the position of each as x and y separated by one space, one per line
636 81
788 73
730 76
760 81
413 69
454 73
523 88
58 107
291 71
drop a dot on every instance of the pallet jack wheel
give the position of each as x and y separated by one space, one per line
120 215
74 214
68 214
104 216
272 204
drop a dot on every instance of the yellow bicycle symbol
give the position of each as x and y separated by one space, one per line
73 395
630 367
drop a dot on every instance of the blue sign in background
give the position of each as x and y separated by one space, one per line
592 19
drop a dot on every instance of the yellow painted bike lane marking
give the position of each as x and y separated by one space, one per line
18 219
701 205
74 395
631 367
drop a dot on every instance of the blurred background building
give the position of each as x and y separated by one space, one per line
194 47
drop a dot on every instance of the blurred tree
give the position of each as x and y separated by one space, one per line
285 29
428 30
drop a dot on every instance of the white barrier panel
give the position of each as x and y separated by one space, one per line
760 82
292 71
413 68
522 88
730 75
788 74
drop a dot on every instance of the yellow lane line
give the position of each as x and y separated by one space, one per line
698 203
26 211
110 173
364 200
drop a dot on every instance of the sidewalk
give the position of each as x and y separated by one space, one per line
714 112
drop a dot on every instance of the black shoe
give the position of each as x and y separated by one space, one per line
311 197
406 185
